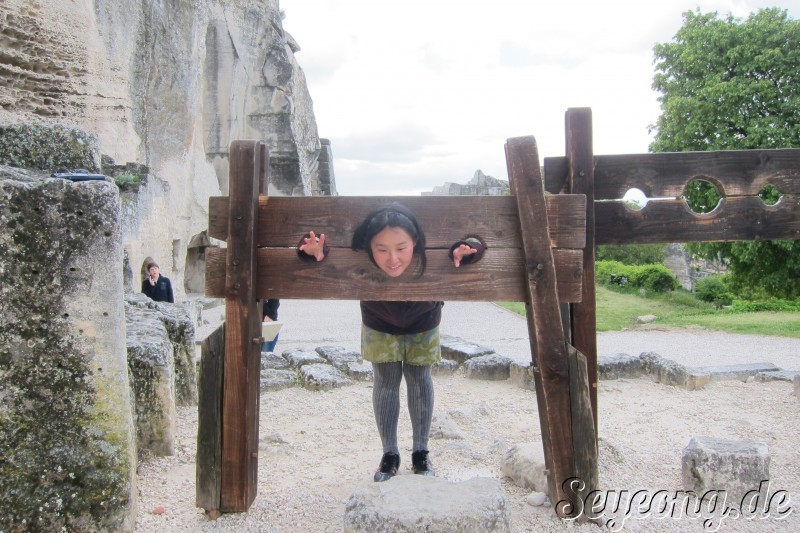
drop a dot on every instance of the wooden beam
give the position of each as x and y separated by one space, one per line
551 366
494 218
735 219
581 181
665 175
584 436
242 319
209 423
348 275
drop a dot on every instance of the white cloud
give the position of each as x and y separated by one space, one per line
417 93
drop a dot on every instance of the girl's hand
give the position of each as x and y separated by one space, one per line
314 245
461 252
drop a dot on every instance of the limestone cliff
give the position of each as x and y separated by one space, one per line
168 85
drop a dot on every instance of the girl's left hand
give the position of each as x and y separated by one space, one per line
461 252
313 245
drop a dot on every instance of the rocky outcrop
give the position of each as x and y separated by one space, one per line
179 329
67 451
479 185
160 338
424 503
167 85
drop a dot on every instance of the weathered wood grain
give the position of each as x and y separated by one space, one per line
738 172
209 423
243 319
444 218
349 275
581 180
551 366
735 219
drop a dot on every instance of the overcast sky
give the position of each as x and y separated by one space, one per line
415 93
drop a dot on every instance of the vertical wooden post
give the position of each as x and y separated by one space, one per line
580 158
209 423
242 329
551 364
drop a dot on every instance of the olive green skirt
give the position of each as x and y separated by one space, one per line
414 349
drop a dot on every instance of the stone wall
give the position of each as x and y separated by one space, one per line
67 452
168 85
677 260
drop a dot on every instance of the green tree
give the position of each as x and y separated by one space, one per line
733 84
631 254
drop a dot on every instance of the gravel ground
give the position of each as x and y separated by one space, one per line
317 448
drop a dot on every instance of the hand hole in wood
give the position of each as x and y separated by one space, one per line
635 199
770 194
701 196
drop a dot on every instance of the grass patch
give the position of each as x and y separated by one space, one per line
617 311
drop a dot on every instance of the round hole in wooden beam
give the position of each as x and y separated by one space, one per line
701 196
770 194
635 199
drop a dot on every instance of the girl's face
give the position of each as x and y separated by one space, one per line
393 250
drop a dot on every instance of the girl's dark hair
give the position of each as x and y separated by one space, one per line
392 215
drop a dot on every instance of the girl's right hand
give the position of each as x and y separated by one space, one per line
313 245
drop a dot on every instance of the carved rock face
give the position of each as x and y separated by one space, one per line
169 85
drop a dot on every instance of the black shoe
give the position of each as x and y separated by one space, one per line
390 462
420 465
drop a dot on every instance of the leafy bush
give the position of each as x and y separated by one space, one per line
714 289
631 254
656 278
653 278
773 304
128 180
612 273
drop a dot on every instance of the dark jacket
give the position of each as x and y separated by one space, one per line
271 309
401 318
161 291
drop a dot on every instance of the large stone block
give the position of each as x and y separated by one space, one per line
180 334
459 350
151 364
409 503
735 466
322 376
619 365
66 428
491 367
522 375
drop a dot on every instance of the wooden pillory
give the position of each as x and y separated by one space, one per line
541 243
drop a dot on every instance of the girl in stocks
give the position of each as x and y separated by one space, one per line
400 339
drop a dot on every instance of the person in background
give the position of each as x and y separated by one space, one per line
270 313
156 286
400 339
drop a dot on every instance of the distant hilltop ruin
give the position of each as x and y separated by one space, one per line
479 185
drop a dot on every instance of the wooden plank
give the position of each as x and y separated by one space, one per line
209 423
494 218
739 172
584 436
241 379
544 318
735 219
348 275
581 180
